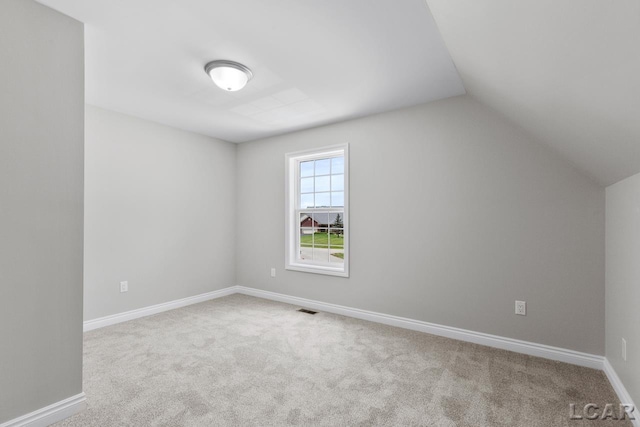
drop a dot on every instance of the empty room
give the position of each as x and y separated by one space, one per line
319 213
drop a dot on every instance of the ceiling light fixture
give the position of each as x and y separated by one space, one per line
228 75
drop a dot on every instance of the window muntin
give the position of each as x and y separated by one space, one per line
317 226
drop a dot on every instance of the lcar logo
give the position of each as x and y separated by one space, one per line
591 411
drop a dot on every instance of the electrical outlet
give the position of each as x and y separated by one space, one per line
624 349
124 286
273 272
521 308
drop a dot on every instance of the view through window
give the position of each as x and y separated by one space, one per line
318 236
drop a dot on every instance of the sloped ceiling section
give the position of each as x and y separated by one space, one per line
314 62
567 71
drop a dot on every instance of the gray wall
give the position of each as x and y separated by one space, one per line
623 277
41 167
455 214
159 213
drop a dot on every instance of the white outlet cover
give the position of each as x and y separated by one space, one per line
124 286
521 308
273 272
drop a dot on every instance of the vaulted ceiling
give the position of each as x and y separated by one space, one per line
314 62
565 71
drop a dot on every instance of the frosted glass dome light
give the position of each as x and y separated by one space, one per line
228 75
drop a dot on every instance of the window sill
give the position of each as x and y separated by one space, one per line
328 271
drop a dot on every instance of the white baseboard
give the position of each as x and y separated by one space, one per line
533 349
101 322
510 344
518 346
621 390
50 414
68 407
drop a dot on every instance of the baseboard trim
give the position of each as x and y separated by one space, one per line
50 414
518 346
70 406
621 390
101 322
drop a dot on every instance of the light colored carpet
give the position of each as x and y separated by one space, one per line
244 361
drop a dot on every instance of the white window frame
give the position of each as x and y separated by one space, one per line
292 212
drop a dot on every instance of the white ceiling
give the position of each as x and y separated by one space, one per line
314 62
566 71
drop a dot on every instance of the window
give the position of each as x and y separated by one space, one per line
317 217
